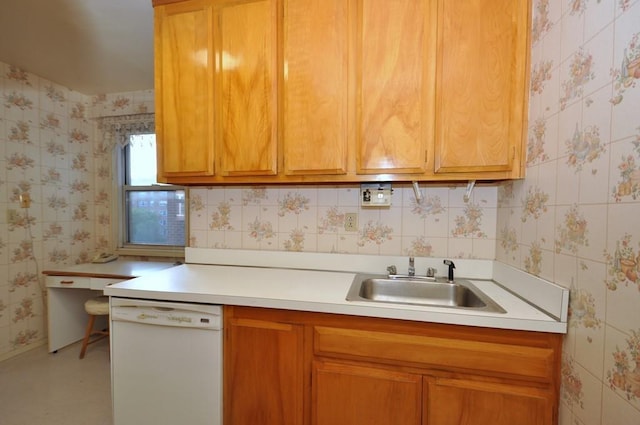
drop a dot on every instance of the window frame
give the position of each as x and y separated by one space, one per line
120 225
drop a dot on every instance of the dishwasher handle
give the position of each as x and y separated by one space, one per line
166 316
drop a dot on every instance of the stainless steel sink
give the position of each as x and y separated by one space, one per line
459 294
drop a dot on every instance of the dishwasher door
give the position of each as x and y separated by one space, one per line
166 363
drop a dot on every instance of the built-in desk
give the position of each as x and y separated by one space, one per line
68 288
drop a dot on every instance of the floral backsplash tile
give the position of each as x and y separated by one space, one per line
305 219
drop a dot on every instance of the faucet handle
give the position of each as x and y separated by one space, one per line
431 272
392 270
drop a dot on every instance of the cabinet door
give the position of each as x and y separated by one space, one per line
316 90
184 88
481 85
345 394
395 63
466 402
263 373
246 96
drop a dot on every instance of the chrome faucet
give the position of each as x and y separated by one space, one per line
411 273
412 267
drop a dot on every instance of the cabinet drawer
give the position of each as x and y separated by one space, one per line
68 282
532 363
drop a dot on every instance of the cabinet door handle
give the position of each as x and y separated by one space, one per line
66 282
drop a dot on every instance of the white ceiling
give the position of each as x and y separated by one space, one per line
90 46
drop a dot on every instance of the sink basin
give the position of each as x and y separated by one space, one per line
459 294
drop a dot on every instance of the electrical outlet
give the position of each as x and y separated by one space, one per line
351 222
25 200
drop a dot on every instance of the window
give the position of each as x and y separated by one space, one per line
153 214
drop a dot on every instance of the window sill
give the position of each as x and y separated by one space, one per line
152 252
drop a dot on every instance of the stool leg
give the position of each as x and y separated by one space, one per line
87 335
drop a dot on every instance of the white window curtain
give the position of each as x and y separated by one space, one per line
116 130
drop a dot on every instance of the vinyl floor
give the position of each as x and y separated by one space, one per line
38 388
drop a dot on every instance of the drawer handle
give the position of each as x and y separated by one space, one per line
66 282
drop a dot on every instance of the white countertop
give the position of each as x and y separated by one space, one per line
124 269
323 291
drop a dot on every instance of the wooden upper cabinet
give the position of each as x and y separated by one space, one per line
395 63
481 86
246 99
316 92
289 91
184 89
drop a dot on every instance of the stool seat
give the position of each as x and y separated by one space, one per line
98 306
94 307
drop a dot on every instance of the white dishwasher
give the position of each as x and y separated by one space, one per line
166 362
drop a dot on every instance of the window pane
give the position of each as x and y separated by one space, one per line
155 217
142 159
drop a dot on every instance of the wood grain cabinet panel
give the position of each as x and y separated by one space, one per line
395 89
482 80
466 402
352 395
263 366
246 101
507 359
316 86
184 89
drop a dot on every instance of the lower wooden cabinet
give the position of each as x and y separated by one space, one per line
460 401
287 367
263 373
345 394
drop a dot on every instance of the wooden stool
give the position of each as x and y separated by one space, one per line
94 307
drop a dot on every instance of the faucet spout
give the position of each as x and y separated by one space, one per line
412 267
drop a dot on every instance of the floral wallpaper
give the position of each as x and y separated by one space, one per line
49 153
575 219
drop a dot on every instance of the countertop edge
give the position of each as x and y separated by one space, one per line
87 274
119 269
354 310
